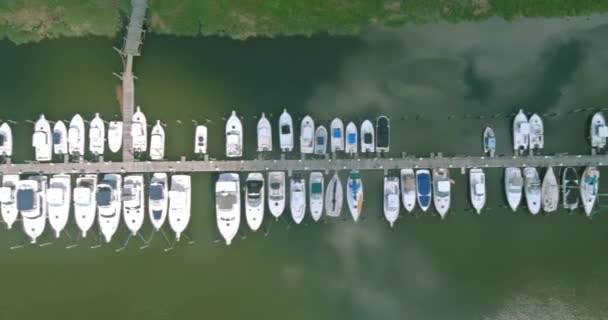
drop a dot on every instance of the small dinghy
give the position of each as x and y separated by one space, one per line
589 188
285 131
200 140
367 137
550 191
383 134
31 203
60 138
76 136
115 136
97 133
391 199
334 197
8 199
41 140
85 202
489 142
234 137
6 140
158 200
58 197
408 189
316 191
513 187
133 202
598 131
354 194
276 193
180 200
424 189
157 142
521 132
321 140
337 135
228 205
442 191
477 185
254 200
307 135
537 133
109 205
297 199
570 188
351 142
264 131
139 132
532 189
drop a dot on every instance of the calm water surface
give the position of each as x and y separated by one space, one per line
440 85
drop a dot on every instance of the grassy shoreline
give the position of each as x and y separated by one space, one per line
23 21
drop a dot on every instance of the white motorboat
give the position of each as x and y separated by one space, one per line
41 140
489 142
115 136
97 136
550 191
570 188
157 142
254 200
286 131
532 189
367 137
76 136
391 199
133 202
316 191
537 132
60 138
442 191
297 199
8 199
276 193
180 201
383 134
424 189
321 140
354 194
158 200
228 205
477 185
352 141
31 203
598 131
109 204
234 136
337 135
589 188
521 132
307 135
513 187
85 202
264 131
139 131
334 197
6 140
58 197
200 140
408 189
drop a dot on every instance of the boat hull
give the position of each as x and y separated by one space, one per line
97 133
59 199
157 142
316 191
532 190
477 189
408 189
264 131
297 200
367 137
352 140
276 196
115 136
234 137
228 205
286 132
334 197
391 202
307 135
180 199
354 195
424 189
254 200
550 191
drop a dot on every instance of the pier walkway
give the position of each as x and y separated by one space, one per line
326 165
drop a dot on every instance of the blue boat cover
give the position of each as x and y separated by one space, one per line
424 200
156 214
424 184
337 133
352 138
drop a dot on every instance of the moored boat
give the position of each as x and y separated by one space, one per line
297 199
570 188
477 185
228 205
276 193
31 203
408 189
234 136
58 197
8 199
532 189
180 201
85 202
354 194
598 131
139 131
254 200
115 136
264 131
316 191
550 191
157 142
200 140
76 136
521 132
367 137
109 204
351 143
286 131
133 202
60 138
391 199
537 133
307 135
6 140
97 133
334 197
489 142
337 135
321 140
442 191
158 200
41 140
513 187
424 189
589 188
383 134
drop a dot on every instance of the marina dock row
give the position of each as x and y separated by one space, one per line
290 165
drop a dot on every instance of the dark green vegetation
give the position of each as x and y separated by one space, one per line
32 20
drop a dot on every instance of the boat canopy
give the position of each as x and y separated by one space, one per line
6 195
157 191
57 137
104 196
320 140
285 129
368 138
226 200
352 138
55 196
82 196
443 186
424 181
157 214
337 133
316 187
26 199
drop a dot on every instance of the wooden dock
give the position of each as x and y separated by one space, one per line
326 165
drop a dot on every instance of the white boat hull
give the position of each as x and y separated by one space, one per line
115 136
264 131
477 189
391 200
532 190
316 194
41 140
108 214
228 205
408 189
6 140
352 140
180 199
336 134
158 202
9 201
59 200
334 197
354 195
589 188
234 137
97 132
133 209
513 187
307 135
286 132
276 197
254 203
536 138
550 191
367 137
157 142
441 191
76 136
521 132
297 200
84 209
321 140
598 131
60 138
139 132
200 140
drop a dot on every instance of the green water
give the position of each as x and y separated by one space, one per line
440 85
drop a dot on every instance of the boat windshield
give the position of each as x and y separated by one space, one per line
285 129
368 138
26 200
254 187
320 140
